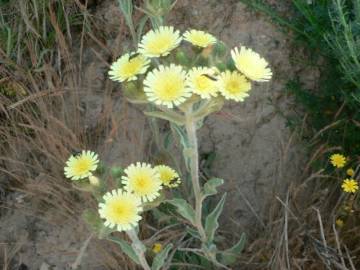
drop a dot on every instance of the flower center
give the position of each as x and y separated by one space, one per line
169 88
131 68
142 185
83 165
202 83
200 39
160 44
120 211
232 86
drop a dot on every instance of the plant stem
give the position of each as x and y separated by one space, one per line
139 248
190 125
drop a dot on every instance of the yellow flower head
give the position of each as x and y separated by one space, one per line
143 181
233 85
350 172
338 160
350 185
81 166
159 42
167 86
339 222
168 176
251 64
157 248
120 210
199 38
128 66
202 81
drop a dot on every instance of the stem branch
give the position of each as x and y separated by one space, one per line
139 248
190 125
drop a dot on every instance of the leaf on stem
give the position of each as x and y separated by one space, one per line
211 222
184 209
171 117
126 248
230 255
210 187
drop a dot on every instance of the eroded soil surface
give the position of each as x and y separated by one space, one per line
255 152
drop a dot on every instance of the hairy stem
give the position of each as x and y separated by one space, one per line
139 248
190 124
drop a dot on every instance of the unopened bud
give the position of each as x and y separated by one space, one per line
94 180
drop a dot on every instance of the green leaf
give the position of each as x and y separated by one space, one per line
160 258
183 209
230 255
169 116
211 222
116 171
193 233
211 185
126 7
126 248
141 25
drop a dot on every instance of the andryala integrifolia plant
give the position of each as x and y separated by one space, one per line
182 79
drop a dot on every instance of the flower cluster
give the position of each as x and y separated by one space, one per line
141 183
172 84
349 185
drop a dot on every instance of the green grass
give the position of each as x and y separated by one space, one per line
330 29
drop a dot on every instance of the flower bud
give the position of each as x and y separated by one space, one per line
94 181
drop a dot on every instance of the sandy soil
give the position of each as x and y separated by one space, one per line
255 152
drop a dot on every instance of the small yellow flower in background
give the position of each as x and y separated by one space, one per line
350 172
166 86
159 42
339 222
350 185
143 181
93 180
128 66
338 160
233 85
199 38
157 248
120 210
168 176
201 81
251 64
81 166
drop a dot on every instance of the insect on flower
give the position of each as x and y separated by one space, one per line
209 77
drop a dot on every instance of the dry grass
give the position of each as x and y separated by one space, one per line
299 231
42 112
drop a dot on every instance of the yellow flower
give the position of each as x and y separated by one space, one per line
120 210
167 86
350 185
157 248
81 166
142 180
168 176
128 66
233 85
339 222
338 160
201 81
350 172
251 64
159 42
199 38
